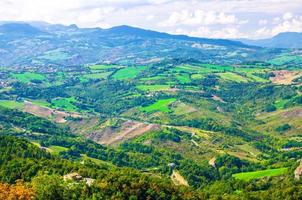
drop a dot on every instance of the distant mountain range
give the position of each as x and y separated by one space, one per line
40 43
282 40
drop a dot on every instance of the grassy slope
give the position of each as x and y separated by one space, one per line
160 105
259 174
128 72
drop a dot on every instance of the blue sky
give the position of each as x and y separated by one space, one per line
203 18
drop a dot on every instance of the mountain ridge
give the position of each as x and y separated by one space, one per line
49 44
281 40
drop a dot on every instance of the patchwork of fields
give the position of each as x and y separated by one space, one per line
197 113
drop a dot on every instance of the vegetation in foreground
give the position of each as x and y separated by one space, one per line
225 131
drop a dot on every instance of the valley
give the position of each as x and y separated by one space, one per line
221 119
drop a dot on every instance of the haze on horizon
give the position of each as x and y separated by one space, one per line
213 19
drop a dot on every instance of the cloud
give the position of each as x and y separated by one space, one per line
262 22
206 18
289 23
287 16
207 32
150 17
200 17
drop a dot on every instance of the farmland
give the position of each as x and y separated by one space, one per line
64 103
160 105
102 75
128 73
153 87
28 77
260 174
238 118
11 104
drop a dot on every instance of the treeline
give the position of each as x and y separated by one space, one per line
43 173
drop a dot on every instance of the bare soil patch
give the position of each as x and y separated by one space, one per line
293 113
178 179
128 130
49 113
285 77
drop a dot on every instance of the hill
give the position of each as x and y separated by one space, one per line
69 45
282 40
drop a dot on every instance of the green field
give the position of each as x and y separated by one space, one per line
40 103
197 76
183 78
192 69
160 105
103 75
280 103
153 88
215 67
259 174
28 77
128 72
103 67
56 149
153 78
225 72
64 103
281 60
229 76
11 104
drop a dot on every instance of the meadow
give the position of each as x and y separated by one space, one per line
246 176
64 103
128 72
11 104
153 88
102 75
161 105
28 77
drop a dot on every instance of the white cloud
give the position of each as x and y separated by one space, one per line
206 18
204 31
150 17
262 22
289 24
293 24
287 16
200 17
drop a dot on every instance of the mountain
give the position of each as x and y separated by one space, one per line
282 40
19 29
55 44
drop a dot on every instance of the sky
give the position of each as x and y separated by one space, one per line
252 19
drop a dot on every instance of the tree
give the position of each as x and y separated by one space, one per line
19 191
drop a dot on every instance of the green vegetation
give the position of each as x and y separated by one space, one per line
11 104
160 105
128 72
103 75
41 103
175 115
28 77
183 78
56 150
232 77
153 88
260 174
64 103
103 67
285 59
